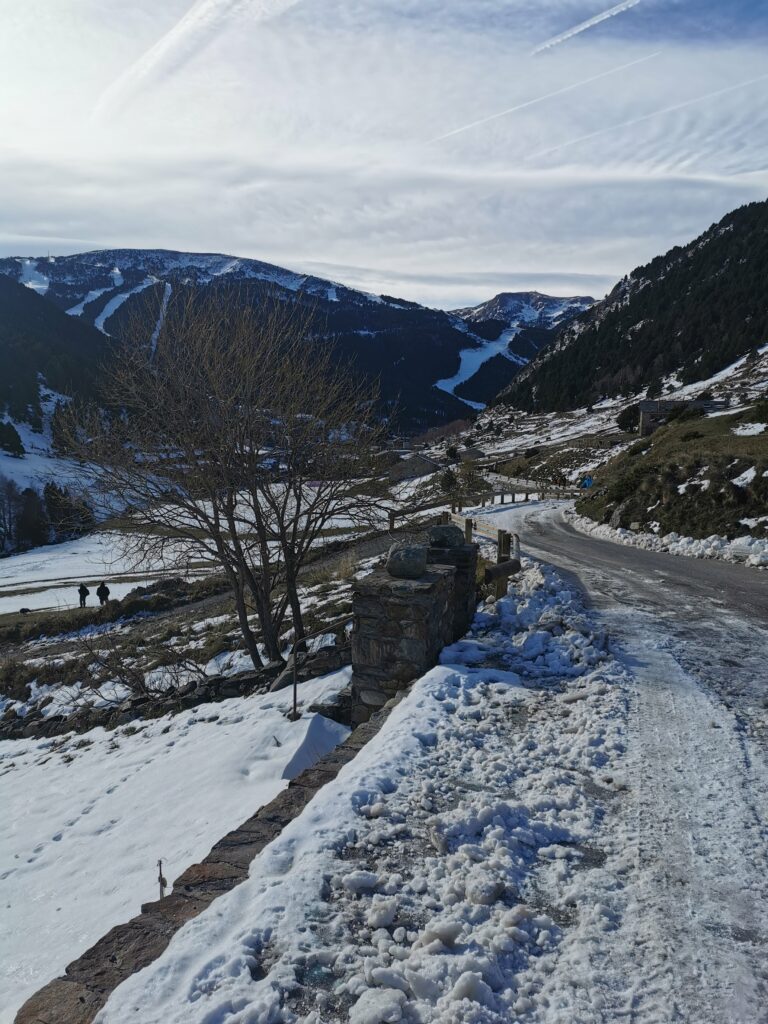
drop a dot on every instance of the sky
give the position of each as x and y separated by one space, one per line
440 150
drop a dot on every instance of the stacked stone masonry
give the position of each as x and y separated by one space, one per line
401 625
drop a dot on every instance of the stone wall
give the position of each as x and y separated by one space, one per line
401 625
464 596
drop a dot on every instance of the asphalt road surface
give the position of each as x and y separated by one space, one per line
693 635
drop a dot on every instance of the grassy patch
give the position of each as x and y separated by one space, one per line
681 479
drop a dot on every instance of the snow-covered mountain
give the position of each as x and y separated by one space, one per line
527 308
420 356
515 327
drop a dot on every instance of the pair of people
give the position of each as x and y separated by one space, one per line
102 592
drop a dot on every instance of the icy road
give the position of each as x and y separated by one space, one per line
694 635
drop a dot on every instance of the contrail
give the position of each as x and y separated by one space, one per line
190 34
541 99
584 25
649 117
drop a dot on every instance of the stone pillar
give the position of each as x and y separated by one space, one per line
464 597
401 625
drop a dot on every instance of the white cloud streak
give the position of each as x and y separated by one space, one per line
542 99
202 23
649 117
584 26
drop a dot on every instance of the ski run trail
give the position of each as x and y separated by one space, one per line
563 822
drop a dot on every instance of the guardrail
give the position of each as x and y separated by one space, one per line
507 548
489 498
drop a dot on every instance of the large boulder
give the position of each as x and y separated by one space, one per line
407 561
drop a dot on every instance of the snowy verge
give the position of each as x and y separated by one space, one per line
747 549
86 818
448 872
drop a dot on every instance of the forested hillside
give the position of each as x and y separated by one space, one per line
38 339
693 312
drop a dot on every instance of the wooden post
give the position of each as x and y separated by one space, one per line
500 586
161 881
445 518
391 522
468 530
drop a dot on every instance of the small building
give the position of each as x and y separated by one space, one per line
656 411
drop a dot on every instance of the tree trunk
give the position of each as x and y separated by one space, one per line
245 627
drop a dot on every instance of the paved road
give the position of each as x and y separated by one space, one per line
694 823
654 575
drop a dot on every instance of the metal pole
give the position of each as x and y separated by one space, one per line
295 685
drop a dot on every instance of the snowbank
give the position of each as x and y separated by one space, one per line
86 818
421 884
747 549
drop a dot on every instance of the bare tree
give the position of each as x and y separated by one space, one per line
234 439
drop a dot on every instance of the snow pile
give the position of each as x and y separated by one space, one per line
747 549
433 880
750 429
87 817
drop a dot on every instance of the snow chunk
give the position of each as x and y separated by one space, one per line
378 1006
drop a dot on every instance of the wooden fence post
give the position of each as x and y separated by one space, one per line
502 547
468 530
391 522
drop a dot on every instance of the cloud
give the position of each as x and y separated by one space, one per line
541 99
633 122
298 138
584 26
191 34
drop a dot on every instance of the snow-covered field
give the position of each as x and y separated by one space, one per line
431 880
86 818
750 550
48 577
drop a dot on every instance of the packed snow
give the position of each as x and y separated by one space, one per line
115 303
86 818
471 359
752 551
750 429
32 278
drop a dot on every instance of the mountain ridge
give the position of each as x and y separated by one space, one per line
691 312
419 348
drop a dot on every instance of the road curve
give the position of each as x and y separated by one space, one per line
655 575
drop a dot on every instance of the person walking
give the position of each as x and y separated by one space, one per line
102 592
83 592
